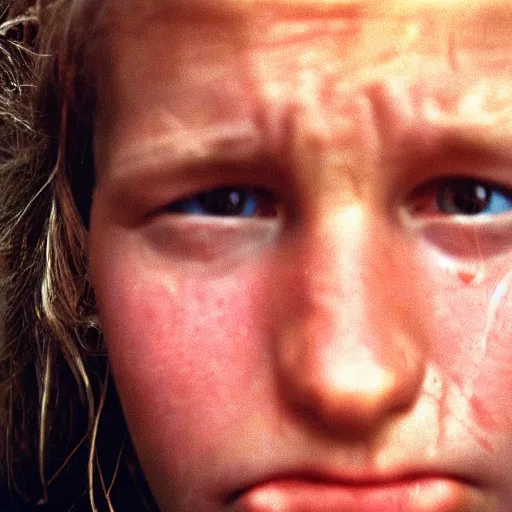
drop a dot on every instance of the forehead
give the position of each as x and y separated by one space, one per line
198 64
371 5
134 11
365 32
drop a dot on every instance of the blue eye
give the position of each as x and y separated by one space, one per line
227 202
462 196
470 197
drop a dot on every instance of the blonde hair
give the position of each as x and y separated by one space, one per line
63 437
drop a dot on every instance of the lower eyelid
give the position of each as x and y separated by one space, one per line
465 238
206 239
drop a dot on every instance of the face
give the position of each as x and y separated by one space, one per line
301 247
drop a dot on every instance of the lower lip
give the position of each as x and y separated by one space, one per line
420 495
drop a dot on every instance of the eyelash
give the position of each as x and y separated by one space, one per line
244 202
451 196
461 196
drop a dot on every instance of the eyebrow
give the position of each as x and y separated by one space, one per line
242 147
452 145
178 151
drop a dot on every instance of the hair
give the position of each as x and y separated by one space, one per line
62 433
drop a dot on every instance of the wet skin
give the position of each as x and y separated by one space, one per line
352 328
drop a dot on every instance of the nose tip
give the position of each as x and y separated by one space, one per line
343 382
358 392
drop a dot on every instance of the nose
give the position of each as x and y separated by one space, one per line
351 349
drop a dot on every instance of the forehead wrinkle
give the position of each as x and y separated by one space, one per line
279 62
400 116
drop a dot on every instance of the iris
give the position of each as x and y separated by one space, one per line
227 202
472 197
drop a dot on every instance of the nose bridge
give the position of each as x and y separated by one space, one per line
348 352
347 278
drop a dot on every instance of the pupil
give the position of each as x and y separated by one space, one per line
463 197
223 201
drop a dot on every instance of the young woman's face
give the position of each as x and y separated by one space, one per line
301 247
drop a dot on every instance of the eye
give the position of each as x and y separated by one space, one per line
227 202
461 196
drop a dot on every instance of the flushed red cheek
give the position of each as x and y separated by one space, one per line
190 346
472 347
491 392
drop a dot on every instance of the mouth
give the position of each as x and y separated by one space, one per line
422 494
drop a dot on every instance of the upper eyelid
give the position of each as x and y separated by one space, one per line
475 179
174 179
244 166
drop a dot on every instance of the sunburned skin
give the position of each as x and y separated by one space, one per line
350 334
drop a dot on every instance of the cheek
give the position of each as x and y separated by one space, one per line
490 383
186 350
472 345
